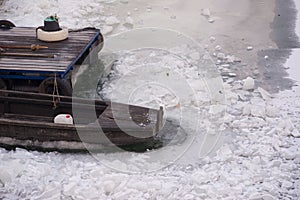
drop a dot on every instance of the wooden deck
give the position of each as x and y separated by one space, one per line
66 53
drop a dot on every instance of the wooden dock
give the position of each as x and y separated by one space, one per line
59 58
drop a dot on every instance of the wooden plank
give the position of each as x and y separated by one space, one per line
40 62
50 97
27 117
49 102
24 62
33 68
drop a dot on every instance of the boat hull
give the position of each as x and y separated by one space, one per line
29 117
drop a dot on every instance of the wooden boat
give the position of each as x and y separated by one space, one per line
28 108
27 121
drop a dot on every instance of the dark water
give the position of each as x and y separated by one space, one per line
272 74
284 25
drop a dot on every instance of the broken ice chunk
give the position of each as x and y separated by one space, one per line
256 72
249 48
218 48
247 109
275 163
248 83
107 29
221 56
129 22
212 39
124 1
232 59
288 154
287 184
258 111
108 186
272 111
195 56
264 94
173 17
5 177
231 74
112 20
149 8
205 12
257 196
211 20
296 133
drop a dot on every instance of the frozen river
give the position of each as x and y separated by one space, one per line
241 137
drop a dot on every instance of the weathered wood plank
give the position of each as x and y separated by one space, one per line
40 62
33 68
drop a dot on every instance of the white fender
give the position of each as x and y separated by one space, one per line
63 119
54 36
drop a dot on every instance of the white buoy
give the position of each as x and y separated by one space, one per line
63 119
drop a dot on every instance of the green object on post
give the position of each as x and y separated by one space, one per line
51 24
51 19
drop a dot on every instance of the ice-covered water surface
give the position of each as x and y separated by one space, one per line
158 67
298 18
260 160
71 13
